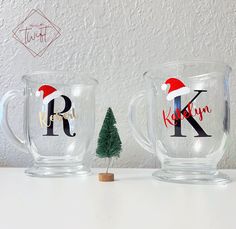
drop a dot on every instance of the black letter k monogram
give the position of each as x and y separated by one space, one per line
190 119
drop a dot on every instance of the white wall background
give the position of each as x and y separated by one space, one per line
117 40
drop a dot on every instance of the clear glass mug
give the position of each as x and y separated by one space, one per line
188 120
58 121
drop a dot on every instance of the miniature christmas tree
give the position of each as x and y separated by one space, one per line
109 143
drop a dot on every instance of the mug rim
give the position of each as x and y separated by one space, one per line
224 66
32 77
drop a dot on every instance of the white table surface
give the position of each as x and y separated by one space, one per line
134 200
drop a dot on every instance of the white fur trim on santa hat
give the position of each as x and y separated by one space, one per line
52 96
163 87
178 92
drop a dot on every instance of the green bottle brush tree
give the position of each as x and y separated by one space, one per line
109 143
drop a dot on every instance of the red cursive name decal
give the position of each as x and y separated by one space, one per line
171 118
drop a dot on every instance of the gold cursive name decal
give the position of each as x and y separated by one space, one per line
43 119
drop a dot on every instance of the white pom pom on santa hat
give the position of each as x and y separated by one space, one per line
164 86
37 93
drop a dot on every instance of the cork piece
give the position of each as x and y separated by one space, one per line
106 177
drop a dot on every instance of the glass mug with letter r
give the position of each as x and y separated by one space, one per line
58 121
188 120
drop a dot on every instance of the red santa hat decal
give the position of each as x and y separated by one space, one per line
177 88
49 93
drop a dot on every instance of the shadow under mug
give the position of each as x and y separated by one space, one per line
58 121
188 120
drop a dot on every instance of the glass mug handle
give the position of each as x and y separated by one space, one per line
138 135
7 131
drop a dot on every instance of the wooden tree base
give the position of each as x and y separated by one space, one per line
106 177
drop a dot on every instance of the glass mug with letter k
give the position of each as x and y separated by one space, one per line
188 120
58 121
